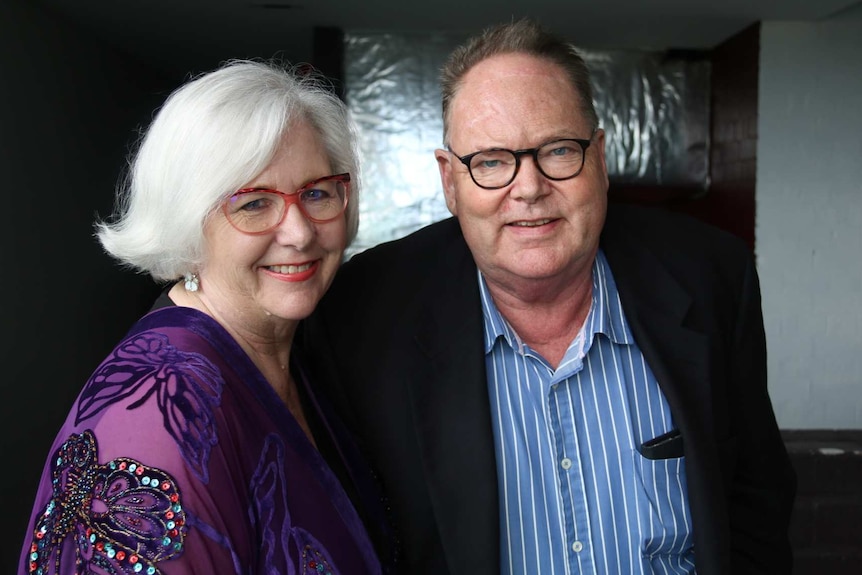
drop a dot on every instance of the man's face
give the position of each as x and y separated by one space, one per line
534 230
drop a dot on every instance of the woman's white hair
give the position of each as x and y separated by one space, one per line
211 136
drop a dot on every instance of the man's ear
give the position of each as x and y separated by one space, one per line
447 178
600 148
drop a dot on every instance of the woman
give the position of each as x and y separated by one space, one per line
199 445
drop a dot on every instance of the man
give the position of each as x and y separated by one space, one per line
547 385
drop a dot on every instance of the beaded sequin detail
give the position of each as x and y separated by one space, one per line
124 517
313 562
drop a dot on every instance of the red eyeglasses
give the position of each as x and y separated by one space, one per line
260 210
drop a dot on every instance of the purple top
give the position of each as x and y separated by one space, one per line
178 457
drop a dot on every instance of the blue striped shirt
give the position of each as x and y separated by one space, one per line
576 496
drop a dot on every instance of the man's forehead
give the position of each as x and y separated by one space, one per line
515 98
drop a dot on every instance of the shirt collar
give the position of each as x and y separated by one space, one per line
606 314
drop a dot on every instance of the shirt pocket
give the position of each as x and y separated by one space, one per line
664 519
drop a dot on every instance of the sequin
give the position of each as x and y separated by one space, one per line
116 519
313 562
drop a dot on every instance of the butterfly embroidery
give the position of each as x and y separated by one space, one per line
269 494
124 517
186 386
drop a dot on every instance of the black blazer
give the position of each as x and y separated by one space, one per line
397 341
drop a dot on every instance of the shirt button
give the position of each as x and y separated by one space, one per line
566 463
577 546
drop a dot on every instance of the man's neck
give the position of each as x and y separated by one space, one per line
547 318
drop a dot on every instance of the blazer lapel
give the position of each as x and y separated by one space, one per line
449 399
656 306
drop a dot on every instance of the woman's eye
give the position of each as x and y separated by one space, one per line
253 205
315 194
252 202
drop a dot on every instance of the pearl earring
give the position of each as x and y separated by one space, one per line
193 282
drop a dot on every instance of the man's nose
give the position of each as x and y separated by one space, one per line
529 183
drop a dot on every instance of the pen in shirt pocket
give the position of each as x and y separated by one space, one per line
665 446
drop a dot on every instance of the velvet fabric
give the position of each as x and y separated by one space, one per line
178 457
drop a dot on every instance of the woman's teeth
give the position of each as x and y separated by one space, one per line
290 269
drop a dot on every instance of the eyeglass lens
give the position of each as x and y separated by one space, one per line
259 210
556 160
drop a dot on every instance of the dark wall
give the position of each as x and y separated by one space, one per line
69 109
729 199
826 530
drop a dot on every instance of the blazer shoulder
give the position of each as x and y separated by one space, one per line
431 237
393 271
666 232
709 263
413 254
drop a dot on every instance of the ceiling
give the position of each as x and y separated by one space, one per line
192 35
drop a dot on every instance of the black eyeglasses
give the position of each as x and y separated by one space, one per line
260 210
496 168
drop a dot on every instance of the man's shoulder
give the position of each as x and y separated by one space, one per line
640 242
395 270
663 229
431 234
418 249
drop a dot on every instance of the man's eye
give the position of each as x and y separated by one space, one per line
562 151
492 160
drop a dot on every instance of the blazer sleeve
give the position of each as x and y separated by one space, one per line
763 483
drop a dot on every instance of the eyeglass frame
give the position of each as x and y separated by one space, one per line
534 152
290 198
